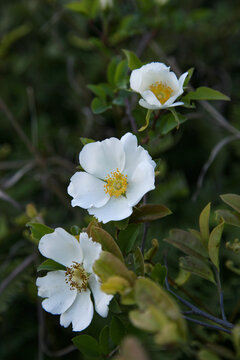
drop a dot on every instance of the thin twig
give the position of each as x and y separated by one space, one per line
210 326
10 200
211 158
145 228
26 262
130 117
18 175
62 352
219 286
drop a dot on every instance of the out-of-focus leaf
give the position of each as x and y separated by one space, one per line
197 267
152 251
128 237
232 200
229 217
131 349
111 71
206 93
187 243
97 90
50 265
133 60
204 224
85 141
182 277
149 212
230 265
117 330
214 244
75 230
236 339
88 345
104 340
122 224
109 265
159 273
207 355
115 284
189 76
167 122
148 116
139 262
120 77
12 36
88 8
38 230
98 106
106 240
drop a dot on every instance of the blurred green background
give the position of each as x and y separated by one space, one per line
48 56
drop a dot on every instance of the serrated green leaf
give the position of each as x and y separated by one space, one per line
128 237
232 200
168 122
138 262
196 267
38 230
133 60
117 330
88 345
214 244
106 240
206 93
149 212
204 224
50 265
99 106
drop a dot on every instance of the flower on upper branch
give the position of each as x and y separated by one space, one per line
117 175
67 293
158 86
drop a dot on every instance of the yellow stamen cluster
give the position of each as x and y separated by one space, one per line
161 91
116 184
77 277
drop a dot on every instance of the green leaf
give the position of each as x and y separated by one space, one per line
86 7
149 212
159 273
128 237
138 262
88 345
98 106
168 122
106 240
204 224
205 93
197 267
176 116
214 244
182 277
50 265
12 36
189 76
229 217
232 200
152 251
117 330
104 340
86 141
98 90
148 116
236 339
120 77
187 243
38 230
111 70
207 355
122 224
133 60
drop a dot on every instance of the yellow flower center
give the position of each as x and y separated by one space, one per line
76 277
161 91
116 184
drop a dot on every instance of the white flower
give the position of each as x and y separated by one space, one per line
68 292
117 175
158 86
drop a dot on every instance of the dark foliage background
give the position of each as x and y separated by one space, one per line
48 56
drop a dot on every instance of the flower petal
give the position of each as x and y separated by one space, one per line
115 209
102 157
101 300
178 103
146 105
134 154
141 182
182 79
60 246
150 98
91 251
87 190
80 314
54 287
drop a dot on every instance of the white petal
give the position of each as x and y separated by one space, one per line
61 247
87 190
102 157
150 98
91 251
141 182
178 103
144 104
134 154
182 79
136 80
57 292
80 314
101 300
115 209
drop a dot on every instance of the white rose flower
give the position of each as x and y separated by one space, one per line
158 86
68 292
117 175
